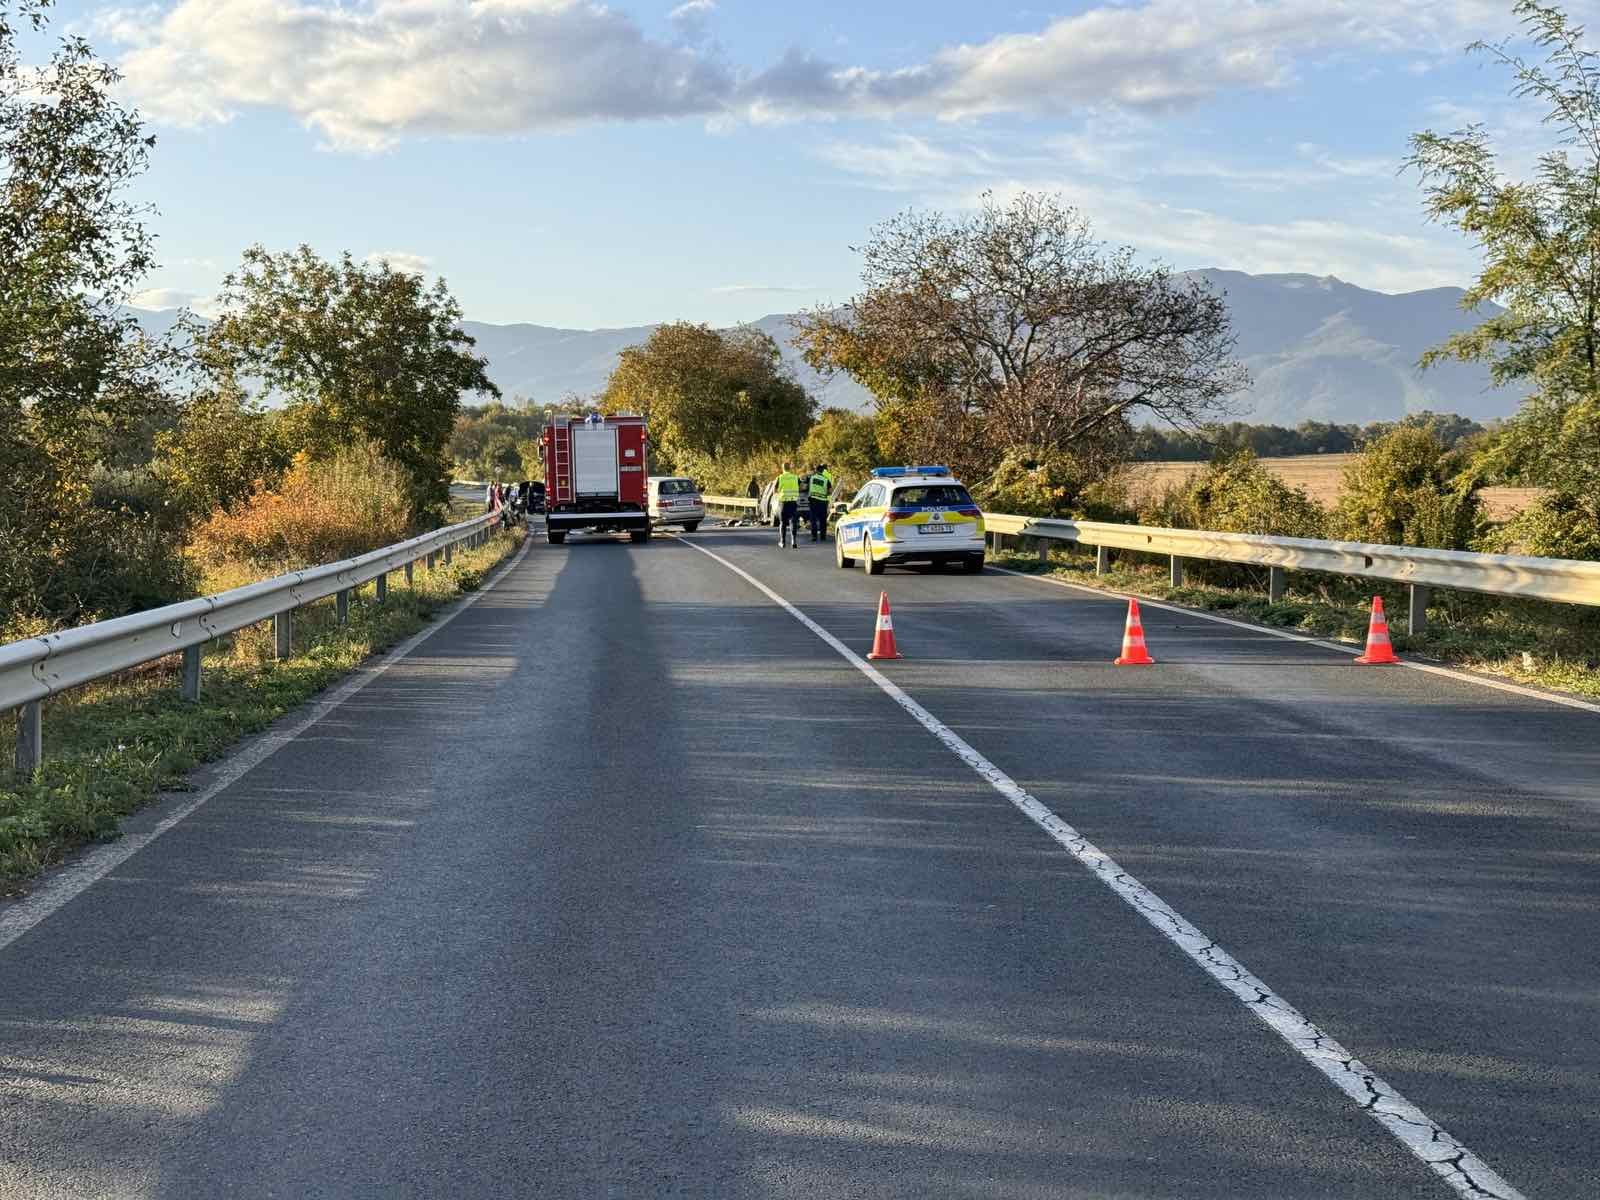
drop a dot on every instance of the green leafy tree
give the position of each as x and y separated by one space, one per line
1236 494
1540 240
503 457
1539 236
223 449
845 440
77 377
1406 489
709 394
360 352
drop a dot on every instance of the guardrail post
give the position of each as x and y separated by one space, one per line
1417 617
382 587
410 567
1177 571
1276 582
341 606
449 547
191 673
30 737
1102 559
283 634
1044 550
432 559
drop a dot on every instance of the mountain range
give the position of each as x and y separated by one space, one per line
1318 348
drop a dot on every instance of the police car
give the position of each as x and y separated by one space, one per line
910 515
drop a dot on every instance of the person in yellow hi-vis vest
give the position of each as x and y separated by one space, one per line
788 496
820 493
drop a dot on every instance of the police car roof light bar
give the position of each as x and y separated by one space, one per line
897 472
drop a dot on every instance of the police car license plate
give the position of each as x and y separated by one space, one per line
936 528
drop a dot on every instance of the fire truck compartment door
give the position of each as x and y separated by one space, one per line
594 460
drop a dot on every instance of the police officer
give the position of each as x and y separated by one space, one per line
787 493
818 495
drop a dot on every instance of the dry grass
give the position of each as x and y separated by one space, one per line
1321 476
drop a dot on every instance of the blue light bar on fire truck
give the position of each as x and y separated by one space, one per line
897 472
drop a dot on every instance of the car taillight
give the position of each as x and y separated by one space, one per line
969 510
899 514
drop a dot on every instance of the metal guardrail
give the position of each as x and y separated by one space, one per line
1563 580
736 503
1566 581
36 668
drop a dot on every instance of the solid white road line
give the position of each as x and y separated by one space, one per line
89 868
1466 1174
1498 685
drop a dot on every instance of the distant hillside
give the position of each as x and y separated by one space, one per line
1318 348
1322 349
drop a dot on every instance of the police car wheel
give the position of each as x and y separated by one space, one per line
873 566
839 560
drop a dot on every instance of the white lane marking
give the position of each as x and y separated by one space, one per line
1465 1172
1498 685
83 872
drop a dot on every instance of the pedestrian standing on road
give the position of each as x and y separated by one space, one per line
488 497
787 492
817 497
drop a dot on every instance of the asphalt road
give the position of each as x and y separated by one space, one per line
624 883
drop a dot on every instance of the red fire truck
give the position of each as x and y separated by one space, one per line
594 471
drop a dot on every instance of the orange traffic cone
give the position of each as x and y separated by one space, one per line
1379 649
1134 653
883 640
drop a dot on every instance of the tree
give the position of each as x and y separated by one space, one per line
1014 328
1236 494
845 440
1540 236
360 353
77 377
223 449
709 394
1406 489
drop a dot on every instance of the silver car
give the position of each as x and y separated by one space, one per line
675 500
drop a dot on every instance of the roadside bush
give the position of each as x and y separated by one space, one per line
1236 494
1556 525
1406 489
222 451
1031 483
322 511
106 563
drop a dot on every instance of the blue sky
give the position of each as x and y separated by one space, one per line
578 164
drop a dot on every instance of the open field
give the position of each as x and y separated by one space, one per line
1320 475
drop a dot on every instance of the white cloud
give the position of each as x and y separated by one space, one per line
693 10
1197 237
157 299
365 75
402 260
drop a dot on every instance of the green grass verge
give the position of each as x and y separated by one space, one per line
1554 646
112 746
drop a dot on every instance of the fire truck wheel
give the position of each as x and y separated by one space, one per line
639 535
556 536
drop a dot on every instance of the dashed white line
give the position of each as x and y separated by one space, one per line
1460 1168
94 865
